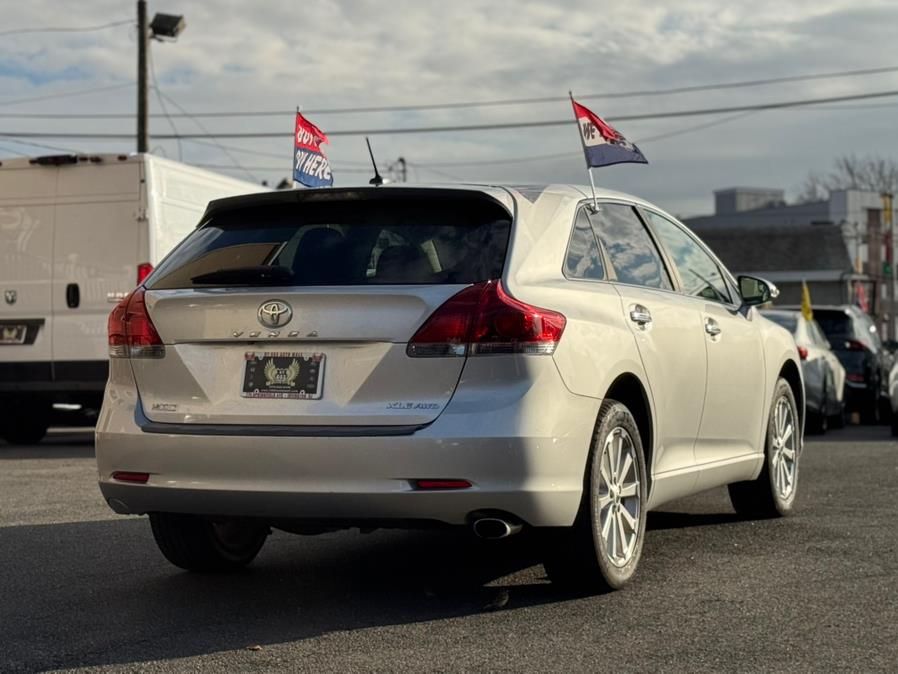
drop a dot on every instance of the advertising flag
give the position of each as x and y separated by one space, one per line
310 166
806 309
603 145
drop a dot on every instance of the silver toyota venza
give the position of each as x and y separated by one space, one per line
481 356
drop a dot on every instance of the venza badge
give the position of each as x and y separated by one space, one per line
274 314
11 296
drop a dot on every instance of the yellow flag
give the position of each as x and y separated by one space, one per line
806 310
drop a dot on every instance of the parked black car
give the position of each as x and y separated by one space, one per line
856 342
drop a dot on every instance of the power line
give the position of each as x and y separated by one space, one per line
486 103
564 155
472 127
42 145
262 153
282 169
66 94
161 100
206 131
64 29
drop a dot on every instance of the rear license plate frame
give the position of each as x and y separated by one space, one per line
270 375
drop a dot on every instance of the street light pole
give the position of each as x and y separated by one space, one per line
887 221
143 40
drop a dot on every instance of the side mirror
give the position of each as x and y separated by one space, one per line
756 291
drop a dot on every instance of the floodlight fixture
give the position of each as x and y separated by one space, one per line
167 26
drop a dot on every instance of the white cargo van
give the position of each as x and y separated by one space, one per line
77 233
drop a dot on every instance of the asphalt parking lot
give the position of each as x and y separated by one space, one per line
83 588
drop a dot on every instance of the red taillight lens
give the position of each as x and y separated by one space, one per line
482 320
802 353
143 270
131 332
852 376
854 345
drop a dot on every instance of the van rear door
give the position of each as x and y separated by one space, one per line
98 216
26 259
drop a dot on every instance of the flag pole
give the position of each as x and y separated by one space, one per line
293 163
595 202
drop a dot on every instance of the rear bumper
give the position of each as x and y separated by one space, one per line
523 448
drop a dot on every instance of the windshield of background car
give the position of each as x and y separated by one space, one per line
837 325
788 321
341 242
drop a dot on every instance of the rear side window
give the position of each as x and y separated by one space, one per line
630 249
700 274
583 260
342 242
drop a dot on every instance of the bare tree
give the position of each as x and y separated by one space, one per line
871 173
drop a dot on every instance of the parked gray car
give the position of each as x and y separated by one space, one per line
824 376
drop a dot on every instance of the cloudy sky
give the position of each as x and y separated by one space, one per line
319 54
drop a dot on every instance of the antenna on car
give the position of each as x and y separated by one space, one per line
377 180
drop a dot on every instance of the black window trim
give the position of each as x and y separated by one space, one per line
607 271
662 253
725 273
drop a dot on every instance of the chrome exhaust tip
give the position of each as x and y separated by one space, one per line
494 528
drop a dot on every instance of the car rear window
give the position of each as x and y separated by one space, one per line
834 323
361 242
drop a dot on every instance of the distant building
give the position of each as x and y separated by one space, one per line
825 243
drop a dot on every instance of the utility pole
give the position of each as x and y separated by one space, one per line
403 170
143 43
889 266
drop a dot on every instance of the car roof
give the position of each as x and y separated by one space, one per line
498 192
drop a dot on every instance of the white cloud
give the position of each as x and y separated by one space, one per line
327 53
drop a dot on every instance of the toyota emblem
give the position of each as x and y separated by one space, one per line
274 314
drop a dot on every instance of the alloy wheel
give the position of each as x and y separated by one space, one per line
619 497
784 453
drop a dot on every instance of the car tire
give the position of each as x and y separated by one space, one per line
25 425
894 424
197 544
817 423
870 409
839 420
772 494
601 551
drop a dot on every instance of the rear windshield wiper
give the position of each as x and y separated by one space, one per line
257 275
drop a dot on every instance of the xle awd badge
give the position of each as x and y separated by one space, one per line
10 296
274 314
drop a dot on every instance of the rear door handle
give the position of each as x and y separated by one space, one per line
639 314
711 327
72 295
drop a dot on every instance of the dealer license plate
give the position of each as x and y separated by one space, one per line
289 375
12 334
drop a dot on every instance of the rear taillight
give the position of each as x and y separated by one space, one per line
131 332
854 345
483 320
853 376
802 353
143 270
